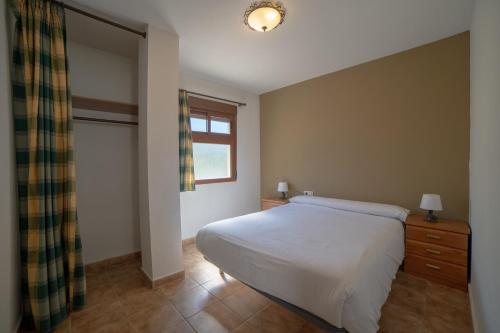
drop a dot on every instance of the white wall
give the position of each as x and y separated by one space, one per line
106 155
100 74
485 165
159 154
108 212
213 202
9 235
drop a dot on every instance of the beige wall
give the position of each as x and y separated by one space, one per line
385 131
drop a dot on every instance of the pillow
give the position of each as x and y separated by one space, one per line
370 208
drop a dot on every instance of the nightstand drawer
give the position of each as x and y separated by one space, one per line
436 270
451 239
438 252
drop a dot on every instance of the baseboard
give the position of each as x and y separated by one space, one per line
133 257
153 284
18 326
147 278
475 323
161 281
103 264
188 241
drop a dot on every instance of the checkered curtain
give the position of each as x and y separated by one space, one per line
53 277
186 166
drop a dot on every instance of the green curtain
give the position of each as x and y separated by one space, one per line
53 277
186 165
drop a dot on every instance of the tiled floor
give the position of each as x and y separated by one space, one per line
204 301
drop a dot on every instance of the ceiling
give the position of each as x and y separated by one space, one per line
317 37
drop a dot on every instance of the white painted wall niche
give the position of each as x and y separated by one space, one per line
106 155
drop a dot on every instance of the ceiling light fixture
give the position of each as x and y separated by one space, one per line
264 15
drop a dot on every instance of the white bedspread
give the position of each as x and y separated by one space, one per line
336 264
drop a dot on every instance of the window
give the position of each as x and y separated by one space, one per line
213 125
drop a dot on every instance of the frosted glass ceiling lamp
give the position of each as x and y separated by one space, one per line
431 203
264 16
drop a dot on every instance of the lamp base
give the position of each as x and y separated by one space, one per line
283 195
430 217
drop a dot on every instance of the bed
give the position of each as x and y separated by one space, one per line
333 258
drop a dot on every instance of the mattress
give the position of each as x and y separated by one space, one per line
333 258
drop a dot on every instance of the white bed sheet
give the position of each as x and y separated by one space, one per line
338 265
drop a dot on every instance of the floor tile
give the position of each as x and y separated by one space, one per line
116 327
437 324
447 310
95 318
130 283
173 287
442 295
203 273
191 301
411 281
408 298
245 302
273 319
192 262
215 318
158 320
145 300
223 286
120 301
311 328
246 327
100 293
397 319
64 327
121 272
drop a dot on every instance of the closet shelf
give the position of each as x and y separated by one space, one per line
94 104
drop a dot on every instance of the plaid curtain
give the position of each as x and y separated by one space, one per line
53 278
186 166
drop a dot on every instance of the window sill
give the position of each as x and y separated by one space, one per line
215 181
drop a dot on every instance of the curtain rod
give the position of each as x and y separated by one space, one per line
100 120
214 97
98 18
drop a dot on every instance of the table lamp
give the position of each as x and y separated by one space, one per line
431 203
283 188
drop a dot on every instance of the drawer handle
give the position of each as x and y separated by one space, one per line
433 251
433 236
433 266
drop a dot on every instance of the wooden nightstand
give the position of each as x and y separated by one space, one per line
267 203
438 251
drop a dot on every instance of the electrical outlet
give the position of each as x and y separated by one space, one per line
308 193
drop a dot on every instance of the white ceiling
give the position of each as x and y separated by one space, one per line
317 37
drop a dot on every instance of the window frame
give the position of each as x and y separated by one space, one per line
212 109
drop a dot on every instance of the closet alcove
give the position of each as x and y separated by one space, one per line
103 79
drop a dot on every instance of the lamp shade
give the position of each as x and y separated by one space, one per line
431 202
282 187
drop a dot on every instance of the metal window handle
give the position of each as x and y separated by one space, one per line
433 236
433 251
432 266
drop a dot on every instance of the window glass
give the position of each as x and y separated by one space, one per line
211 161
220 126
198 123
